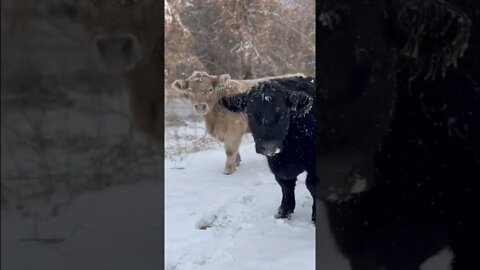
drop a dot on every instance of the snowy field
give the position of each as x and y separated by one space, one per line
216 221
117 228
212 221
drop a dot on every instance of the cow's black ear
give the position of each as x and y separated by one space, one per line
299 103
235 103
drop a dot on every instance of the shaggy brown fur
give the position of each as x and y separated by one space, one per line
204 90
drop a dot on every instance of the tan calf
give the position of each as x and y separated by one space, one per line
204 91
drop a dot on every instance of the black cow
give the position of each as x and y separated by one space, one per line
399 108
281 117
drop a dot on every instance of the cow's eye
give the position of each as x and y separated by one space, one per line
208 91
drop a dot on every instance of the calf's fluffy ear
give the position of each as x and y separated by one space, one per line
300 103
235 103
180 85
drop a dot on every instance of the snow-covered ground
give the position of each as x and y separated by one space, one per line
212 221
216 221
117 228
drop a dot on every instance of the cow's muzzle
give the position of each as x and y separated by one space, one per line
268 148
201 108
117 52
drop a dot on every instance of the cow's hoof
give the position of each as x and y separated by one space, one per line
228 171
282 214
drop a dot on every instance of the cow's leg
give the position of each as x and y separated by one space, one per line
239 159
310 182
288 197
231 144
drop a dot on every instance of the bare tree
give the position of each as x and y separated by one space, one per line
249 39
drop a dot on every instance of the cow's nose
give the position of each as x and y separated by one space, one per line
117 51
269 148
201 108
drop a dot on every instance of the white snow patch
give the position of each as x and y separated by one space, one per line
216 221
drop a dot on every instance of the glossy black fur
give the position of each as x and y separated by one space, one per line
280 115
422 161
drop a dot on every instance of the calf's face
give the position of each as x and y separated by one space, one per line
123 31
202 90
269 110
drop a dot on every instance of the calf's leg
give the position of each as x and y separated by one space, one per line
239 159
287 205
232 143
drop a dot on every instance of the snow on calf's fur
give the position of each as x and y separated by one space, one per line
281 119
204 90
